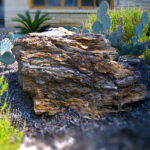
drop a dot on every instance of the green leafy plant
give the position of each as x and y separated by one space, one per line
147 56
104 25
10 137
127 18
29 25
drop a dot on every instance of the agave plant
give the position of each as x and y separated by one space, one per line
29 24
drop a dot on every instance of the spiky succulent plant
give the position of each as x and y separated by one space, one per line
28 25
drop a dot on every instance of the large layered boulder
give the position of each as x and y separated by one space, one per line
61 69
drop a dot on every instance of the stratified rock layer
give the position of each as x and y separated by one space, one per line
62 70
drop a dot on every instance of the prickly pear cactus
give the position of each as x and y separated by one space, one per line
106 22
104 6
144 18
114 37
139 30
7 58
103 24
97 27
140 27
119 32
6 45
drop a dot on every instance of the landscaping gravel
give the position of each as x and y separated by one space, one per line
128 130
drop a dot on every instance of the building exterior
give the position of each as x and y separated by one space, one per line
1 13
144 4
62 12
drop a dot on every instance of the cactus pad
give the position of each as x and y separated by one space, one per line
7 58
11 36
106 21
139 30
113 39
5 45
97 27
104 6
145 18
119 32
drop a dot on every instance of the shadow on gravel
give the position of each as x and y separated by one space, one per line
123 131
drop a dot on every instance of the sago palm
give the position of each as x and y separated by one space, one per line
29 25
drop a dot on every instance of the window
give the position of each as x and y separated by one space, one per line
87 3
109 1
54 3
39 3
71 3
67 3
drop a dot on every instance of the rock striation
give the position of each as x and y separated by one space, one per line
61 69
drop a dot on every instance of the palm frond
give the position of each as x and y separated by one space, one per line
37 15
44 18
23 29
22 22
29 19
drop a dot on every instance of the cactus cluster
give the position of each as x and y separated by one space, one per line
6 56
103 24
140 27
136 48
115 37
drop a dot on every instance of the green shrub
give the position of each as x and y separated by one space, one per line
29 25
10 138
128 18
147 56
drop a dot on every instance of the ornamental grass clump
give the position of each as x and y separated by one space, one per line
10 137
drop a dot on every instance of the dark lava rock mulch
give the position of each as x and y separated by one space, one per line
128 130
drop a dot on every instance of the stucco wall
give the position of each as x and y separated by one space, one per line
12 8
67 17
144 4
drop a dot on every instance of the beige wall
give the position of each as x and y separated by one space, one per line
12 8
